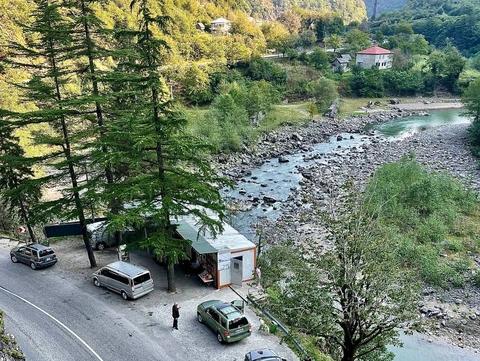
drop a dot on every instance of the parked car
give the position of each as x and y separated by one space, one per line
127 279
101 237
225 319
35 255
263 355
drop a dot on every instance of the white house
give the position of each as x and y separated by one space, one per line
226 258
220 26
375 56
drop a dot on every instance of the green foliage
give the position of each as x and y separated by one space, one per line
421 210
319 59
357 40
324 91
367 83
360 265
403 82
445 67
471 99
441 22
235 113
259 69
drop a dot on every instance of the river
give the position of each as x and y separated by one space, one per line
272 183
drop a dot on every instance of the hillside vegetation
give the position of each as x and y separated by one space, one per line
441 22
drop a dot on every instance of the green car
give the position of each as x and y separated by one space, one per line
225 319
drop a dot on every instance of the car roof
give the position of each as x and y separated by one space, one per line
127 269
38 246
228 310
262 354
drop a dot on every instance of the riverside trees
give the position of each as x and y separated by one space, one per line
353 297
121 122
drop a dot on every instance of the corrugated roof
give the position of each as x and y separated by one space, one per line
228 240
375 50
199 243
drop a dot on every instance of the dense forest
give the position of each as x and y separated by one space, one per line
440 21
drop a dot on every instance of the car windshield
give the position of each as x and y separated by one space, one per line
239 322
142 278
46 252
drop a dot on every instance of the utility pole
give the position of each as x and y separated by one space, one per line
375 6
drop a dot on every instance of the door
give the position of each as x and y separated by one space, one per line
236 270
240 304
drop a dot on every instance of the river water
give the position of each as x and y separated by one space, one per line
277 180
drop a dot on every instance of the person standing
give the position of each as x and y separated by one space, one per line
175 315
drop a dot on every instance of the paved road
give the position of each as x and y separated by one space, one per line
59 320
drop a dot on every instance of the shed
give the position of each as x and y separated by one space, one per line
341 63
226 258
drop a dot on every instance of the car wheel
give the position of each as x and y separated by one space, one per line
199 317
219 337
101 246
124 295
33 265
14 259
96 282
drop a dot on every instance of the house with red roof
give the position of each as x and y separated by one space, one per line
375 56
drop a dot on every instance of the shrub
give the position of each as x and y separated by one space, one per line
260 69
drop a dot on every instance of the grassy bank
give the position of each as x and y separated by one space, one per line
228 138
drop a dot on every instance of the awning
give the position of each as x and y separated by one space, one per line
199 243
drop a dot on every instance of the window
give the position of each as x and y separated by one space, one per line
46 252
28 252
106 272
239 322
224 323
214 315
142 278
120 278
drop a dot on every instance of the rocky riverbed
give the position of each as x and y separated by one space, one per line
452 315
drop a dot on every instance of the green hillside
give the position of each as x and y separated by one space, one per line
440 21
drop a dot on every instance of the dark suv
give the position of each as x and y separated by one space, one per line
35 255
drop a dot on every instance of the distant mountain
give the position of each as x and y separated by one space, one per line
384 6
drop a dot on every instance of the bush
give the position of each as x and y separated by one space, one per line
476 278
367 83
260 69
324 91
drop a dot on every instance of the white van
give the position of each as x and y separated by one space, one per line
129 280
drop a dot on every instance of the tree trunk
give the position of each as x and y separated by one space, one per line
71 169
348 351
171 275
26 219
114 204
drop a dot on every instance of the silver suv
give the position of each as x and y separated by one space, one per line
129 280
35 255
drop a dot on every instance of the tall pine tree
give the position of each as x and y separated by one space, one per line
46 56
169 174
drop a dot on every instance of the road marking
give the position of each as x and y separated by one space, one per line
68 329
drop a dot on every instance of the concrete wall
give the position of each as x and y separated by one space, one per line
248 267
366 61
